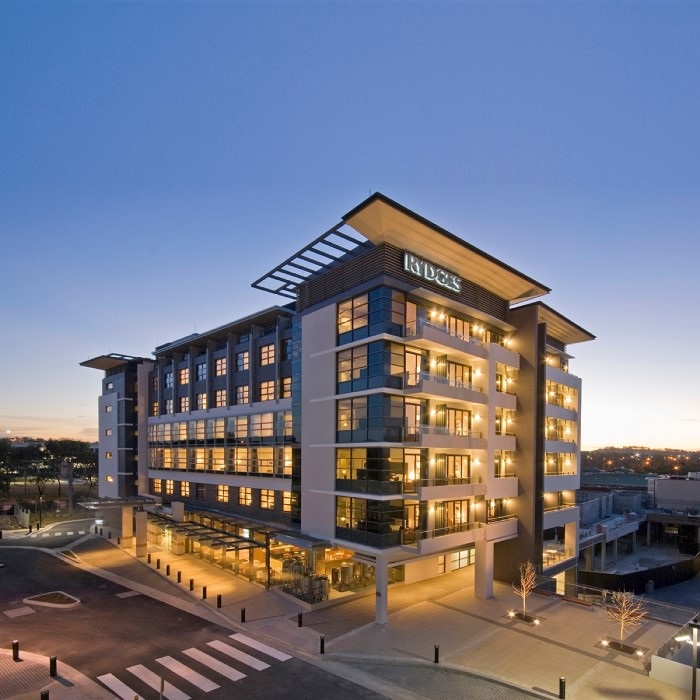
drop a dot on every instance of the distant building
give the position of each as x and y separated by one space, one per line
411 412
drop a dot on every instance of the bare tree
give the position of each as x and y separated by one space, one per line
627 610
528 582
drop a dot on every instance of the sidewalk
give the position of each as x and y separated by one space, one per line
480 647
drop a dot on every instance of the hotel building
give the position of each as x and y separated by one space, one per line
409 413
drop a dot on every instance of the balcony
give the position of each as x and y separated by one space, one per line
450 489
426 335
423 489
553 554
560 376
426 385
499 529
504 441
503 486
559 516
443 538
444 438
561 411
561 481
504 355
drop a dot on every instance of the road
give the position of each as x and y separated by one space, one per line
128 641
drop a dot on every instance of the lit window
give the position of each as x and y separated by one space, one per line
267 390
267 499
109 478
242 394
220 397
168 380
185 489
184 404
108 455
185 375
220 366
242 360
201 401
222 493
108 432
154 408
109 386
245 496
157 485
108 409
267 354
286 387
287 501
169 487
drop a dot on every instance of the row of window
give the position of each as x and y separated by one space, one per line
253 461
233 429
266 499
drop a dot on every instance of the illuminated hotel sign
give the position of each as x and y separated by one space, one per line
422 268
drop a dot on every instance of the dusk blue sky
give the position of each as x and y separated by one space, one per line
156 158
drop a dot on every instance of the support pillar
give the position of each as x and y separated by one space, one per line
615 551
141 519
483 573
634 541
177 511
127 537
589 558
603 548
381 606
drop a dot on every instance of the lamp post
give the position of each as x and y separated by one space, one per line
41 499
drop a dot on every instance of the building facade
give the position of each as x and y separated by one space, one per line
411 411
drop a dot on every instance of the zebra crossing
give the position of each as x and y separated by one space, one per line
194 671
54 533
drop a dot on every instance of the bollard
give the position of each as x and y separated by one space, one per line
96 529
44 695
299 620
15 650
562 688
119 541
100 531
149 557
218 600
179 576
323 644
52 667
242 614
158 563
204 592
167 569
30 529
191 584
437 654
109 534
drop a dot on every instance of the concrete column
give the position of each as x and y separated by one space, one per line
483 574
127 526
177 510
589 558
603 547
634 541
615 551
648 533
141 518
381 606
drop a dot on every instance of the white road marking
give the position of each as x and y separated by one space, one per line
69 533
153 679
239 655
121 690
127 594
214 664
188 674
270 651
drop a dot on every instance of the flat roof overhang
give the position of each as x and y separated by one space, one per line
107 362
381 220
560 327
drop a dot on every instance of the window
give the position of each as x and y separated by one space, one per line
169 406
220 399
267 499
262 425
287 501
245 496
287 349
157 485
184 404
154 408
383 310
286 387
108 455
201 370
168 380
242 360
109 386
154 383
220 366
109 478
108 409
242 394
267 390
185 375
168 487
108 432
267 354
185 489
222 493
353 314
200 491
201 401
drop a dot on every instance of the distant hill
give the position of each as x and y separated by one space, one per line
641 460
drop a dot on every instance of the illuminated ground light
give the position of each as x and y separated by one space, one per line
536 621
639 652
605 642
511 614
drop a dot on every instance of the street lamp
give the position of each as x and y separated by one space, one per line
41 499
694 625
